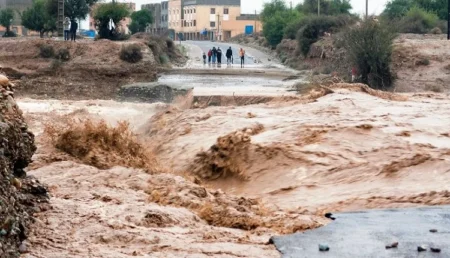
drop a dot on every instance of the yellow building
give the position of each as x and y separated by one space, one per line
208 19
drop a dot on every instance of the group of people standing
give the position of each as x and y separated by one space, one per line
215 55
70 29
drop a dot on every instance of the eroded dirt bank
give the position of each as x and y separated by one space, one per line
340 148
91 69
20 195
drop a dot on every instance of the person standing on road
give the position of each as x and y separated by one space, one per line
214 55
242 55
204 58
66 28
229 54
209 56
219 56
73 30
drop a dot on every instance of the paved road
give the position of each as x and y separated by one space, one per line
365 234
254 59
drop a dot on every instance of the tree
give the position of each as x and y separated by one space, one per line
369 48
419 21
275 25
272 9
37 17
333 7
104 13
140 20
76 9
396 9
6 17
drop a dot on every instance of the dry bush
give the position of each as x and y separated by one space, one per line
63 54
433 88
229 217
422 61
102 146
46 51
131 53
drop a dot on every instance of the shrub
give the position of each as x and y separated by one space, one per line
422 62
170 44
9 34
418 21
436 31
433 88
63 54
314 27
163 59
131 53
369 48
46 51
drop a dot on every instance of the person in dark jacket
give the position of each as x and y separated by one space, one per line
214 55
73 30
219 55
209 56
229 55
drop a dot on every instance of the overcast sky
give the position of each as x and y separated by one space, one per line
249 6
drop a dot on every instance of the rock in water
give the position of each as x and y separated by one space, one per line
435 249
433 230
421 248
393 245
324 248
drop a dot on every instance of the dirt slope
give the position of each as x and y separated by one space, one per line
94 70
19 194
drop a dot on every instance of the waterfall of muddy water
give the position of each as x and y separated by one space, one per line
347 150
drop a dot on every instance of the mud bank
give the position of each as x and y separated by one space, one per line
19 195
93 69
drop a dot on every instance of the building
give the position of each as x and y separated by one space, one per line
122 27
209 19
19 6
174 22
160 17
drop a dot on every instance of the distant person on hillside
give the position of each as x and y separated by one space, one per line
73 30
242 56
219 56
354 74
229 55
214 55
209 56
204 58
66 28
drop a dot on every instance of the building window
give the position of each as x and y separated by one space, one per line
225 11
212 24
185 24
195 23
213 10
195 11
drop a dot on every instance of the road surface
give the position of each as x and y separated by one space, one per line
365 234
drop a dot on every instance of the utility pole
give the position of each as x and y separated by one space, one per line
448 21
256 17
367 9
318 7
60 24
218 27
291 5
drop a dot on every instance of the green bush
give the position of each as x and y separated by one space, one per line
418 21
369 48
63 54
315 26
163 59
131 53
10 34
46 51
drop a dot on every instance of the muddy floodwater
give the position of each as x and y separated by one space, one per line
342 148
